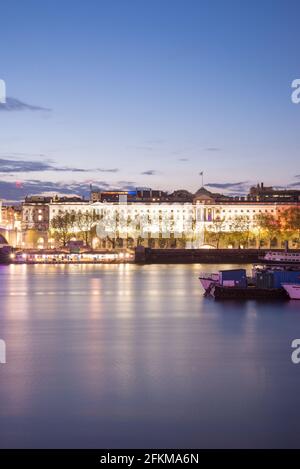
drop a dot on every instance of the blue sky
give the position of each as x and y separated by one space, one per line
148 93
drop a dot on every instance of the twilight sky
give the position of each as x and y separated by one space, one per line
127 93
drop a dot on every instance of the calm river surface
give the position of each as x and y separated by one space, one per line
134 356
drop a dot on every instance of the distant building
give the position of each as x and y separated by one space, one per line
269 194
112 195
138 195
36 217
10 224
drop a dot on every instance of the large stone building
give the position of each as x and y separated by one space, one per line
37 213
149 217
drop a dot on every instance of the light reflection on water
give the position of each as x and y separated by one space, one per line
127 356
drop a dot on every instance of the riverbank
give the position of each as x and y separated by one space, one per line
5 254
141 255
202 256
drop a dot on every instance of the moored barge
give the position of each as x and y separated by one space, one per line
248 293
265 283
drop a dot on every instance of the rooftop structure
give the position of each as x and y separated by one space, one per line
266 194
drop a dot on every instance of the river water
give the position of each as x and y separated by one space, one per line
134 356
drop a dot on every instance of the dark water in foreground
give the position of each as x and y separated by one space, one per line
129 356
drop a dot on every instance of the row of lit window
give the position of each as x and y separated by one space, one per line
241 211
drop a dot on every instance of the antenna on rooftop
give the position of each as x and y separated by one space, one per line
201 174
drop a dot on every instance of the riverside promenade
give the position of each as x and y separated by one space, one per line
140 255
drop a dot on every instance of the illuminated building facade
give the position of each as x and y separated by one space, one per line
10 224
37 215
151 218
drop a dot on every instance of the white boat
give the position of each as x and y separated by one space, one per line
293 290
208 280
226 278
279 257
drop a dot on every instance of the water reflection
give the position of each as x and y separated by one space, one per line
126 356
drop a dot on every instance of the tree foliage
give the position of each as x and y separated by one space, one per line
66 225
